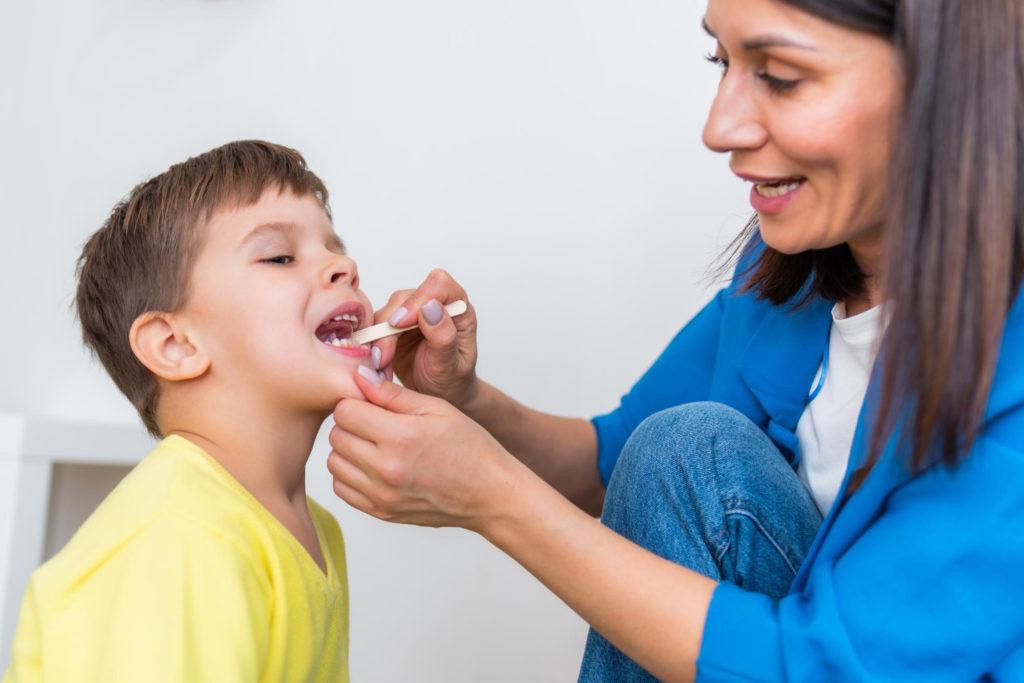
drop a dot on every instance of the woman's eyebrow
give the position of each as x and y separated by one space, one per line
763 42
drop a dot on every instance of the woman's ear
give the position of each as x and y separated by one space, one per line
162 346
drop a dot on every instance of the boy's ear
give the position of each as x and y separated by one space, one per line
162 346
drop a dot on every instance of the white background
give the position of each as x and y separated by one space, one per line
546 152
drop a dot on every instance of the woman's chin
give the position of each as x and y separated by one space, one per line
788 240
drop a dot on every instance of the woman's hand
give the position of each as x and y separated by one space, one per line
440 357
405 457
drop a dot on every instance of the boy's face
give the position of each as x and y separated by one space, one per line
272 298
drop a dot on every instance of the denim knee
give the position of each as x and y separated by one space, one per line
704 486
684 437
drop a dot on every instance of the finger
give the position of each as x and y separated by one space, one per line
391 347
438 285
343 467
437 327
378 363
346 443
357 428
395 301
357 463
383 350
389 396
354 497
370 424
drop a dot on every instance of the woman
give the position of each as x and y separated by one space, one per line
883 139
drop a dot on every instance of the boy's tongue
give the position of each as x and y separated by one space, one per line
334 329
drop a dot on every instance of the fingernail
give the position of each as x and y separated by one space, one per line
375 357
432 312
369 374
397 316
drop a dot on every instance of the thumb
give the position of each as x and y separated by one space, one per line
389 395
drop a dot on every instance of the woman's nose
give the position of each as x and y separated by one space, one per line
734 122
341 269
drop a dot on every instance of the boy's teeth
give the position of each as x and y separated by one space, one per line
343 342
346 316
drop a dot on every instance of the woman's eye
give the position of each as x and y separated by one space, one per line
775 84
279 260
720 62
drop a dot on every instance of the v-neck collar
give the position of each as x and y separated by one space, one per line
328 573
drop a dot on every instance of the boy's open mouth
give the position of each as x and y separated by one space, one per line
335 331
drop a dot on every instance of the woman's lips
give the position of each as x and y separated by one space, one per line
771 197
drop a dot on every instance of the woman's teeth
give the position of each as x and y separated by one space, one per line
776 189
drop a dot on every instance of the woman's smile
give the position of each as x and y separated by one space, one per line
805 109
770 197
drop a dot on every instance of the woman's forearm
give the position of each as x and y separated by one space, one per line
561 450
406 457
651 609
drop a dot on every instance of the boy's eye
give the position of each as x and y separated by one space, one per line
282 260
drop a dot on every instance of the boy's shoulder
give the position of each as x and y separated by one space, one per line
177 502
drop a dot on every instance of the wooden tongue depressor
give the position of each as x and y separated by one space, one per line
381 330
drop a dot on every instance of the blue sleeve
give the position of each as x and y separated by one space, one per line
929 591
682 373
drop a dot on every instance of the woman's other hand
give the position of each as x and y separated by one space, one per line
405 457
440 357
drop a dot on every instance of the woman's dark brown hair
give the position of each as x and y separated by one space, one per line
954 226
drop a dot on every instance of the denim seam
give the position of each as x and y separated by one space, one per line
721 544
766 530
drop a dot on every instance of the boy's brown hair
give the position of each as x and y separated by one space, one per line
141 259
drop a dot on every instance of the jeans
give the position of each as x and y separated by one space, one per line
703 486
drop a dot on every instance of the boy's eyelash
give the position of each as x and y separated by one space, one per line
281 260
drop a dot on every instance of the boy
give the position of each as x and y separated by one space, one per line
220 300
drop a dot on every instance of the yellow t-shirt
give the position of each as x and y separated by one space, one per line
181 575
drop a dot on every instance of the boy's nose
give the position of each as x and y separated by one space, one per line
341 269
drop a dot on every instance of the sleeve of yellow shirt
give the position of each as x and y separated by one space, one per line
177 602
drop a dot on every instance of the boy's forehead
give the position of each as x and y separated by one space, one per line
275 215
288 229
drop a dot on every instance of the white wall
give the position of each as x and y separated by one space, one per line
546 152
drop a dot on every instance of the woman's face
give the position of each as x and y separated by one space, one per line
806 110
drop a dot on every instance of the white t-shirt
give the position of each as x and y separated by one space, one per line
826 427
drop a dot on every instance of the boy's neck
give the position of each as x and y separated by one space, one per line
266 453
262 447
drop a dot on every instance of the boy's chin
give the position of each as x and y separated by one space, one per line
343 390
326 407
